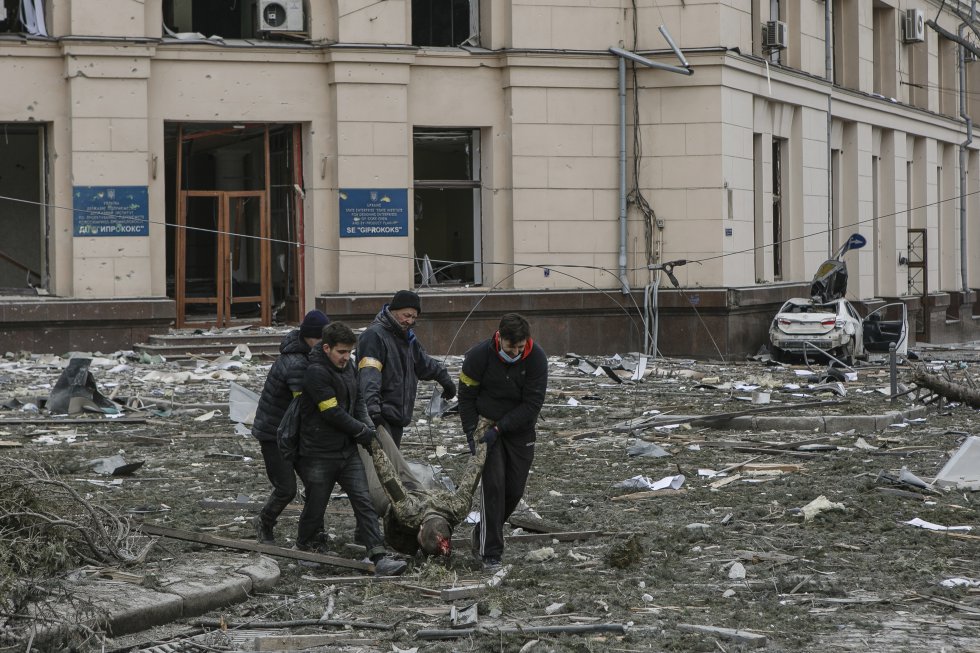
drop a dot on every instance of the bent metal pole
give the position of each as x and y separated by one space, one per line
632 56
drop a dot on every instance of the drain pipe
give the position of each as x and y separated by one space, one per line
828 56
623 56
964 114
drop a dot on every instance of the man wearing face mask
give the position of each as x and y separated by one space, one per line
390 362
503 380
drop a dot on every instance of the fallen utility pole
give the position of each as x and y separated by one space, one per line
949 390
202 538
530 630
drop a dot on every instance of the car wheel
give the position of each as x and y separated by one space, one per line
846 354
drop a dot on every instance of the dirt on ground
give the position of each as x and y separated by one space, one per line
735 555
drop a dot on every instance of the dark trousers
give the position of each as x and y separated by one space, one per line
396 433
319 477
282 475
504 479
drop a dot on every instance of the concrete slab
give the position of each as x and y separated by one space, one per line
193 585
209 580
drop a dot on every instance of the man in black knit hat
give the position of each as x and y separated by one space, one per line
390 363
284 381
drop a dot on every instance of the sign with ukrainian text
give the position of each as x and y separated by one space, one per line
110 211
373 212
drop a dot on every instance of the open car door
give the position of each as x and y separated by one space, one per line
880 333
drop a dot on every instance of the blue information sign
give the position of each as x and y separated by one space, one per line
110 211
373 212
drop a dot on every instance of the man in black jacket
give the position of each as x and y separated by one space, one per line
503 380
390 362
333 421
284 381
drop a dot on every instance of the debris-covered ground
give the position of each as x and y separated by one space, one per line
795 538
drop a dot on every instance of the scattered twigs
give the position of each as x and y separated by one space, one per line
294 623
530 630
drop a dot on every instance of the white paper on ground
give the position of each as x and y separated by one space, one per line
921 523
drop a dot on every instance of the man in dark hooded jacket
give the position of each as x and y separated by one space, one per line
333 421
284 381
390 362
503 382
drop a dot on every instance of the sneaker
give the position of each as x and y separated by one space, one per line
388 566
263 531
492 564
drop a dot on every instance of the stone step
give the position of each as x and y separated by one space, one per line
244 337
206 350
187 344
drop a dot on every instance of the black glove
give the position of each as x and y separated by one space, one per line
490 436
449 391
471 443
366 437
379 420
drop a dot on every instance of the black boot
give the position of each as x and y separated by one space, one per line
263 531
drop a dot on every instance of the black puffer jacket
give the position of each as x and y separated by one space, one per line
390 363
509 394
284 381
331 413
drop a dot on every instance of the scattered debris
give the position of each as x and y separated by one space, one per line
819 505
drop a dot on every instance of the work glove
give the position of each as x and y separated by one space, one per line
490 436
378 420
449 391
366 437
471 443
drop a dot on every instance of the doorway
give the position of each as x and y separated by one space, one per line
223 257
233 244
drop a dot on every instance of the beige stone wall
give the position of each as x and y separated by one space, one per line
547 111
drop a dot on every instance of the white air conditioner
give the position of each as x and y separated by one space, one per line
774 35
280 16
913 26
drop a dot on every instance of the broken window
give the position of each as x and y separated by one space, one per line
777 208
448 241
22 213
445 23
234 19
23 16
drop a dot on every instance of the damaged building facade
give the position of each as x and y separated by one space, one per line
158 161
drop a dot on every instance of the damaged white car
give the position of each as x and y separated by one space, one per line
827 324
804 327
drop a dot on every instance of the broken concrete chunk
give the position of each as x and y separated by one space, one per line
963 469
646 450
819 505
540 555
737 571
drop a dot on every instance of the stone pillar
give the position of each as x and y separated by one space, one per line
107 115
374 140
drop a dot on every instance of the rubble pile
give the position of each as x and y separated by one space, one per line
672 505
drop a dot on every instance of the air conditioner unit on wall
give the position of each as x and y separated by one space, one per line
774 35
913 26
280 16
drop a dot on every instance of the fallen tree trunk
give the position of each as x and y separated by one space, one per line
948 389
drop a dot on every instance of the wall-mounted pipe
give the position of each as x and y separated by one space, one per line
623 56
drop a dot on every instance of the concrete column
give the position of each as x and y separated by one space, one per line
107 115
374 141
